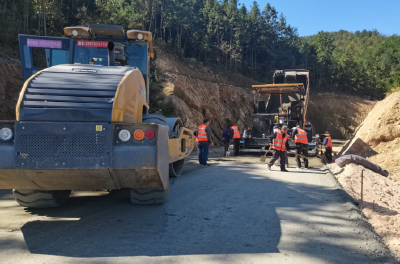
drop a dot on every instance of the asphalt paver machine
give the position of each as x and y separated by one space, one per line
282 103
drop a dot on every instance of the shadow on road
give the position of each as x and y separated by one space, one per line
6 195
225 209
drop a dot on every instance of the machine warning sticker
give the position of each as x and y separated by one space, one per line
43 43
92 44
99 128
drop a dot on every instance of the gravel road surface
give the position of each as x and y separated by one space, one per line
235 211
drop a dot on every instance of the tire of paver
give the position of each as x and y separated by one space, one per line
40 198
149 196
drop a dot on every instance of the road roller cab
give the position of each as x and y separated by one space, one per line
82 120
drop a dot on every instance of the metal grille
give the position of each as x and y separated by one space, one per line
58 146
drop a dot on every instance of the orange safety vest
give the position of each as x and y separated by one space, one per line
236 133
279 142
202 134
301 137
329 143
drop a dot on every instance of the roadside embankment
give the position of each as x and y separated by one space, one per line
381 200
378 137
378 140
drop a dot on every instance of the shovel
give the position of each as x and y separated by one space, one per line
263 158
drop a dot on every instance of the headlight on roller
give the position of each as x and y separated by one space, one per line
6 134
124 135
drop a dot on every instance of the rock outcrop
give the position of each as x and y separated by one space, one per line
196 92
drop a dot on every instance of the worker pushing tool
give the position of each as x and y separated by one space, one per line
280 143
301 141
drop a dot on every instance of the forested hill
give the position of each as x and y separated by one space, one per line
254 42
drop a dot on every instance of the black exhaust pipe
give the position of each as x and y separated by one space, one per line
111 53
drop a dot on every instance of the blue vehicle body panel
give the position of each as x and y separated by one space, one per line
82 155
55 54
63 145
72 115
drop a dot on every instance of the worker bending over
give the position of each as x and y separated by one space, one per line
280 143
300 138
204 138
236 140
328 146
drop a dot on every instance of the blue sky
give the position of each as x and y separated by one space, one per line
311 16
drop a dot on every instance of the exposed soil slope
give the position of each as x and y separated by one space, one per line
10 85
378 137
381 200
339 114
194 92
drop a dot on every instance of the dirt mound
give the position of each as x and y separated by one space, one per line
11 82
381 200
378 137
194 91
337 113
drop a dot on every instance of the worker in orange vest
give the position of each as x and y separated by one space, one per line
236 140
204 139
286 160
280 143
300 138
328 146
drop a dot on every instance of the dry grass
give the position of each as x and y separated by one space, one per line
339 114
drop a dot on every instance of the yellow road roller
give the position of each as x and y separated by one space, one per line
83 122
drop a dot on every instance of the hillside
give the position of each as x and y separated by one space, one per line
256 39
191 91
339 114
